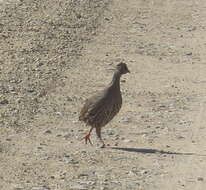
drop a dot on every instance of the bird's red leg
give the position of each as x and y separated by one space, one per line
87 137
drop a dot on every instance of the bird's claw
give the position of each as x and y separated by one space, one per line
87 138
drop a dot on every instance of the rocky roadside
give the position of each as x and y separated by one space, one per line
39 40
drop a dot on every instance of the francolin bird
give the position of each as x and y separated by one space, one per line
101 108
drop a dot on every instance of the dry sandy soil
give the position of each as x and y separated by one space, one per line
55 54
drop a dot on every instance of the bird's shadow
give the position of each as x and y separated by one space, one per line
154 151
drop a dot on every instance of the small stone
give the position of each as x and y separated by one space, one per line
67 136
200 179
68 160
18 188
110 132
67 156
79 16
189 53
18 100
76 186
162 106
59 113
30 90
40 188
127 140
180 137
5 101
126 120
69 99
87 173
143 171
48 132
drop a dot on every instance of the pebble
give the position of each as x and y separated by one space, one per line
189 53
200 179
116 144
143 172
5 101
110 132
40 188
59 113
126 120
67 136
75 121
48 132
18 188
103 188
180 137
87 173
106 18
76 186
69 160
30 90
127 140
79 16
69 99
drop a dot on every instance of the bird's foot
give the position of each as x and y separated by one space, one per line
87 138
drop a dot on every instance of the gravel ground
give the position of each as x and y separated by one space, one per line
55 54
39 40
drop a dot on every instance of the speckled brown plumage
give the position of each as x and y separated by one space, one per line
101 108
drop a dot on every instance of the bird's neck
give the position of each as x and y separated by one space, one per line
116 79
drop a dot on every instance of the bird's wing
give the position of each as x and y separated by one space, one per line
93 105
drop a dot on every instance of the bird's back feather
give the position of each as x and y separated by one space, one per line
101 108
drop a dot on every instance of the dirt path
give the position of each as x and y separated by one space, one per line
157 141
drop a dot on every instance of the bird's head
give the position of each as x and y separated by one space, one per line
122 68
